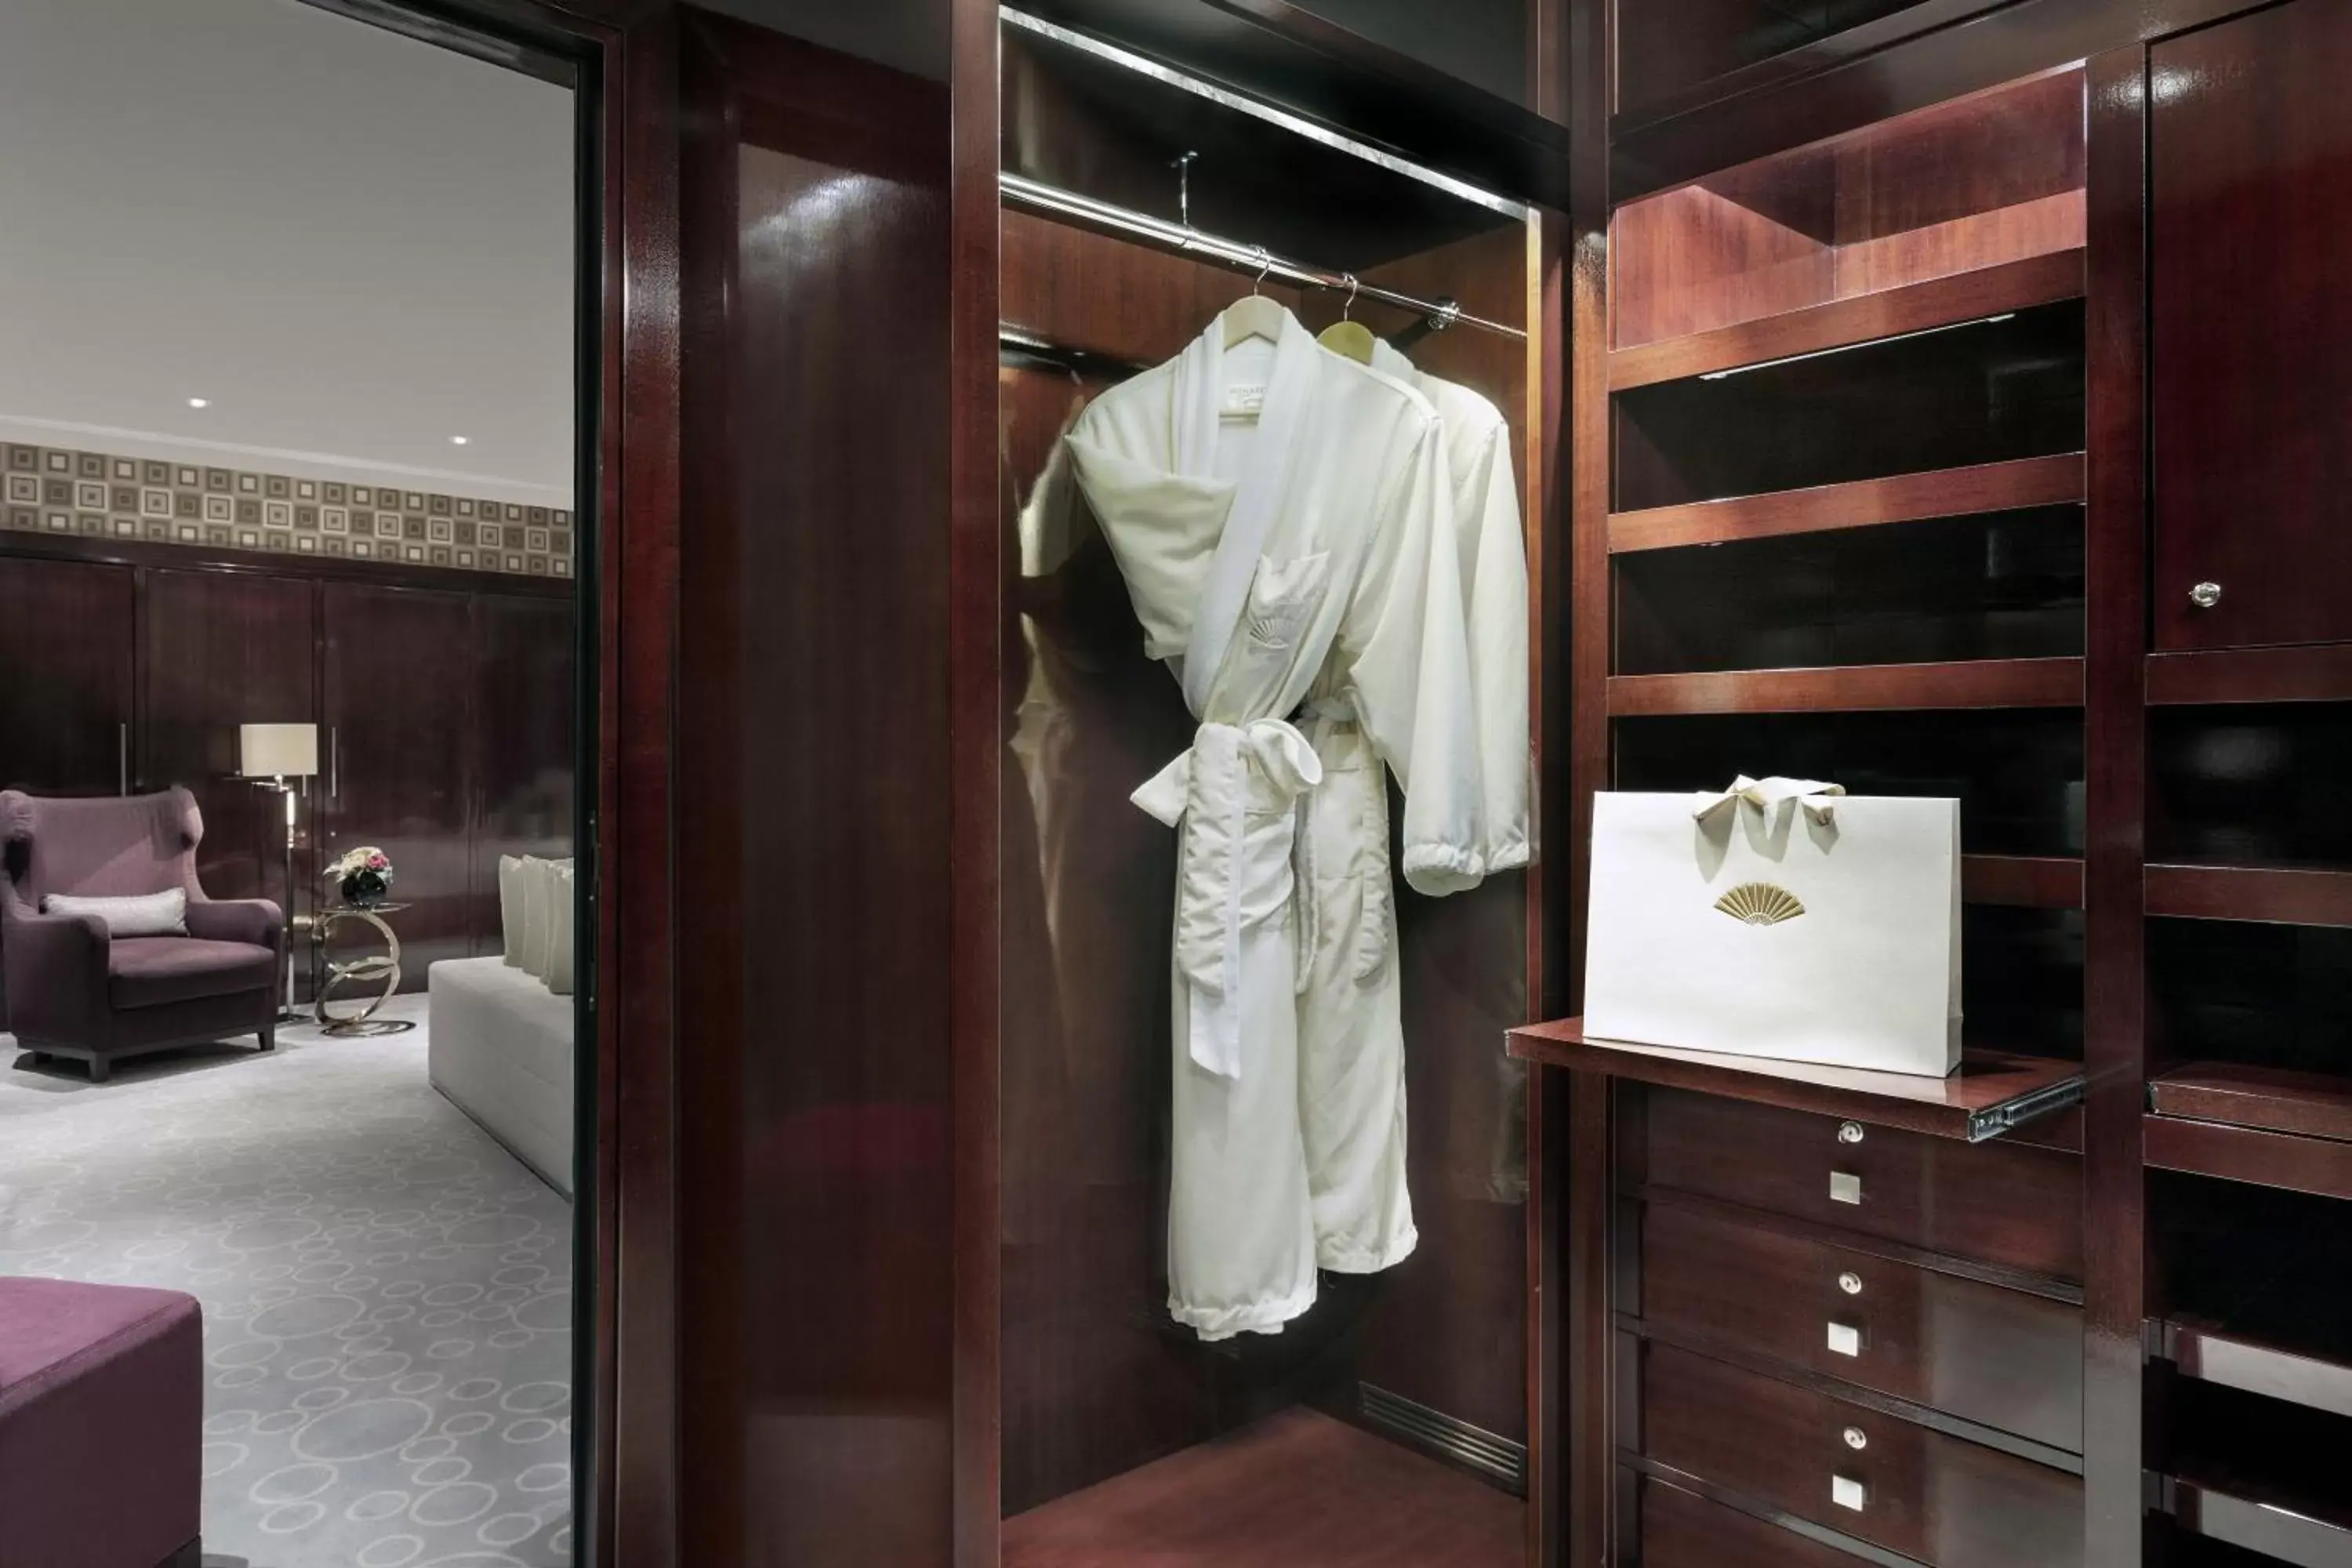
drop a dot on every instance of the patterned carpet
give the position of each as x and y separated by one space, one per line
386 1290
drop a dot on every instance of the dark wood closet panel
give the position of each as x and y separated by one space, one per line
816 1282
524 725
2250 242
68 707
216 650
397 707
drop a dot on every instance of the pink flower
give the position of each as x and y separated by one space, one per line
377 862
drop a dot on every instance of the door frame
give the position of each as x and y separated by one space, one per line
624 55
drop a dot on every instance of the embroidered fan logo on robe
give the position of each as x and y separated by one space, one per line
1760 904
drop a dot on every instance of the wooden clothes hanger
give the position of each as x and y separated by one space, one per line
1348 336
1253 315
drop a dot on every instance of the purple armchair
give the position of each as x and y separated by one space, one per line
74 991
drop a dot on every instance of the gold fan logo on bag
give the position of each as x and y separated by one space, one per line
1760 904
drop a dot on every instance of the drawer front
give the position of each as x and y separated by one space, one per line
1996 1203
1946 1501
1679 1531
2003 1357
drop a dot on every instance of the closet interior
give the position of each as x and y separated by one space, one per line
1387 1423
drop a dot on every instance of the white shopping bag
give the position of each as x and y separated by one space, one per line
1781 918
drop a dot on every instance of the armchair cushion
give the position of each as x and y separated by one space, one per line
254 920
155 971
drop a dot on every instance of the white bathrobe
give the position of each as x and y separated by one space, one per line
1352 1022
1280 514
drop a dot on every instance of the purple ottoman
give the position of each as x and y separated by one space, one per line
101 1426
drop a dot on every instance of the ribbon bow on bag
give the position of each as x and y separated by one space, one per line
1818 800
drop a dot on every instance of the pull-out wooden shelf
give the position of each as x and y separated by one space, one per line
2320 673
1991 1092
2261 1156
2283 895
2307 1104
2213 1354
1924 307
2279 1530
1854 689
2009 486
2023 882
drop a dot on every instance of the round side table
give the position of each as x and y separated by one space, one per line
357 972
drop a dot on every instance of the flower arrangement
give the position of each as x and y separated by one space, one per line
363 875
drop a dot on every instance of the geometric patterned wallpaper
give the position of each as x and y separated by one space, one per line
49 490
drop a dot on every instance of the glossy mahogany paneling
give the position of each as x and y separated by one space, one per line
2017 774
1295 1491
1991 587
1095 1382
1996 1202
1989 392
2249 784
814 1103
1986 181
397 710
67 646
1938 1498
2002 1357
523 734
2249 135
1682 1530
220 650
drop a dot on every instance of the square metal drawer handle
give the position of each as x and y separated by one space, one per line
1846 1187
1845 1338
1847 1492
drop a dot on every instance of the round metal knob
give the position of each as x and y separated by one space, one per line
1849 1131
1856 1438
2205 595
1849 1282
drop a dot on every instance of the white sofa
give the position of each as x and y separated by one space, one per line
500 1048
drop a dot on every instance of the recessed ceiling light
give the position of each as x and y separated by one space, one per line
458 440
200 403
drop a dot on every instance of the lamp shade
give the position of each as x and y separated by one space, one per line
277 751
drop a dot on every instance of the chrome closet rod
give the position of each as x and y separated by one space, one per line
1035 194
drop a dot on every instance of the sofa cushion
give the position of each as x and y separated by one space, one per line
133 914
157 971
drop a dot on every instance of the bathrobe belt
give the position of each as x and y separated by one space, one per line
1230 773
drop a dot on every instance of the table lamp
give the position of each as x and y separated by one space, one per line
270 754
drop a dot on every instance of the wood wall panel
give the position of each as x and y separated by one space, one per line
397 710
524 737
814 1102
217 651
66 683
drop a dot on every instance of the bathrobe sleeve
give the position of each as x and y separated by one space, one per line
1494 559
1408 661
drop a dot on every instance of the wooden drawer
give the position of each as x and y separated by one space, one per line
1943 1501
2003 1357
1999 1203
1680 1530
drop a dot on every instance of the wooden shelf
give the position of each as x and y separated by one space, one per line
2279 895
1861 503
1938 302
2258 1156
2276 1529
2310 1104
1991 1092
1854 689
2022 882
2210 1352
2320 673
